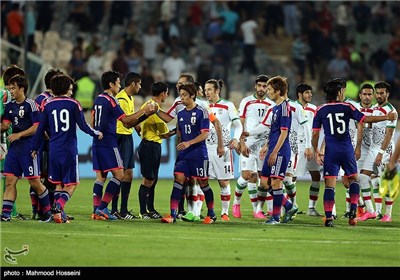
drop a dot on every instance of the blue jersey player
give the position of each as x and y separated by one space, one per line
22 114
105 153
278 156
192 160
59 118
334 117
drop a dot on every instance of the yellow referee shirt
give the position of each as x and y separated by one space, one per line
127 105
153 127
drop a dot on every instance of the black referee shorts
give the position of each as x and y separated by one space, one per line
126 149
149 157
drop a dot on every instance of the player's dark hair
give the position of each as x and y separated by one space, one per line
49 75
216 84
262 78
159 87
366 85
301 88
20 80
60 84
109 77
189 78
332 88
132 77
11 71
190 88
279 83
383 84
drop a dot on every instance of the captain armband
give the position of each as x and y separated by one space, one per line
143 117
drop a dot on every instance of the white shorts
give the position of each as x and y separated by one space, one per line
360 161
253 162
369 160
220 168
303 165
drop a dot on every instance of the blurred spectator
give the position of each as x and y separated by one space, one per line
300 50
95 67
325 17
152 43
134 61
5 7
230 25
96 10
273 17
173 66
362 16
93 45
30 25
339 67
120 64
380 15
291 18
76 66
45 12
343 18
85 90
32 68
131 38
248 30
79 15
120 11
147 82
214 29
15 30
168 30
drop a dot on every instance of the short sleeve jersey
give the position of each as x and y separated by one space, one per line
226 113
22 116
106 112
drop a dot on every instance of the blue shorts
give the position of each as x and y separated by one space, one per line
193 167
63 167
278 170
106 159
126 149
21 162
334 160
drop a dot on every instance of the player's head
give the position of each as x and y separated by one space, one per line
262 78
132 77
334 89
199 88
134 82
213 89
366 94
279 83
49 75
184 78
304 93
18 82
158 88
382 92
301 88
61 84
11 71
188 88
111 80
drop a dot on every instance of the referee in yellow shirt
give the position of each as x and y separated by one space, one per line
133 84
154 130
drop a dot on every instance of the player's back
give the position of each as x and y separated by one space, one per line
62 115
335 119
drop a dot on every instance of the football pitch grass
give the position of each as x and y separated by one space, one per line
303 242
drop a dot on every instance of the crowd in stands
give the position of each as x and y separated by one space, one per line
358 41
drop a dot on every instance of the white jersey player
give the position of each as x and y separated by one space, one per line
221 168
252 110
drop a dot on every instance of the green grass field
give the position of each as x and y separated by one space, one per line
304 242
